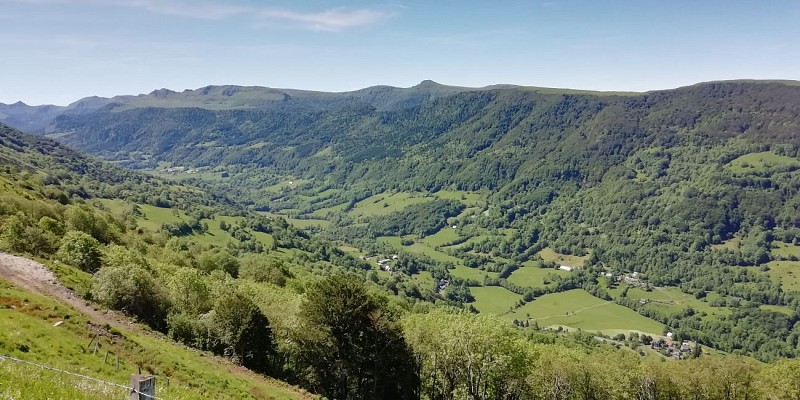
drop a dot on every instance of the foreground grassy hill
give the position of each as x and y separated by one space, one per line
90 347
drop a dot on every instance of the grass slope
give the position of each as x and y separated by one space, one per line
384 204
529 276
785 272
494 299
29 333
578 309
762 162
549 254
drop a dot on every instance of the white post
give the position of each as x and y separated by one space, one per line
142 386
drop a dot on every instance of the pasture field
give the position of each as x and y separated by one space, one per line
761 162
548 254
387 203
731 244
351 250
779 309
323 195
474 239
286 184
29 333
424 279
323 212
445 235
265 238
155 216
785 250
470 199
465 272
494 299
463 215
530 276
578 309
114 206
300 223
672 300
215 235
785 272
419 248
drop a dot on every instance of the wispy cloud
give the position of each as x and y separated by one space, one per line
330 20
335 19
199 9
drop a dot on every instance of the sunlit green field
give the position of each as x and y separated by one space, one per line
419 248
475 274
301 223
761 162
387 203
785 250
468 198
548 254
529 276
730 244
578 309
286 184
445 235
494 299
672 300
779 309
785 272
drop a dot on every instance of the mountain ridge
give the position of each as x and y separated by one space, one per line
38 118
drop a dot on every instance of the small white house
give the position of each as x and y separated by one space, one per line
565 268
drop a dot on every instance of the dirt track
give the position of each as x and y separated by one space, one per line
34 277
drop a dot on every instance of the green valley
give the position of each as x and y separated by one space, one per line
276 231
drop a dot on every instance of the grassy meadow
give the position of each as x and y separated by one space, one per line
580 310
419 248
387 203
549 255
785 250
444 236
494 299
530 276
785 272
762 162
475 274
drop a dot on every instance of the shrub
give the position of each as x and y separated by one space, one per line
80 250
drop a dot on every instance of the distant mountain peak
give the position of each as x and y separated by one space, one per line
428 83
163 92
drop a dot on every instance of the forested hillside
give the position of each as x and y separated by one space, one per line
692 188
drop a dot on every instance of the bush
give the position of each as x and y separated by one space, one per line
134 291
80 250
262 268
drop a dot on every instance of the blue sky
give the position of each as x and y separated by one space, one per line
57 51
